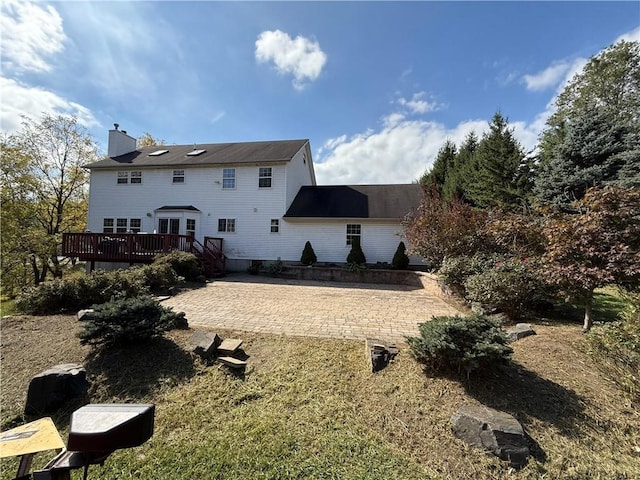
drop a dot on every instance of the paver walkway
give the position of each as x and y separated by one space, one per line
307 308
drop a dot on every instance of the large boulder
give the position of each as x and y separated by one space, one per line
50 389
492 430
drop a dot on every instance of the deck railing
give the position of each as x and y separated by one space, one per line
122 247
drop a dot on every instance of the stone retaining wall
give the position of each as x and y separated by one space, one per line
424 280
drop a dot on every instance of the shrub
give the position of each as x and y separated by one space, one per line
615 347
400 259
456 344
156 277
308 255
75 293
509 287
277 267
128 320
455 271
355 267
185 264
356 255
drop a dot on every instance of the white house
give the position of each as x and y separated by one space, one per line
261 198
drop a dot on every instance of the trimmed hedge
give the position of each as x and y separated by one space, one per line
185 264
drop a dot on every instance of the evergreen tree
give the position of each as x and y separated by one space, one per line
593 138
499 159
308 255
400 259
464 169
356 255
443 167
594 151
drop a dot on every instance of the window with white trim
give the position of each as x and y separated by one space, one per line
275 225
123 178
191 227
135 225
227 225
136 177
229 178
178 176
354 231
121 225
264 177
107 225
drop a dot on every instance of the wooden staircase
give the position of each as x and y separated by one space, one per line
210 256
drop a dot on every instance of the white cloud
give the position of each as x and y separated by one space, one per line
21 99
632 36
417 104
547 78
399 152
31 35
402 149
300 57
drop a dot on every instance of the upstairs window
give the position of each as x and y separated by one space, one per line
178 176
353 232
123 177
227 225
136 177
275 225
229 178
264 177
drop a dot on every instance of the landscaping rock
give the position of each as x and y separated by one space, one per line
50 389
205 343
492 430
379 353
85 315
229 346
232 362
521 330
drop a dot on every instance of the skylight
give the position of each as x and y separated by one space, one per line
157 153
195 153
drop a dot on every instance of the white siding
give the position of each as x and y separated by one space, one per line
299 173
379 240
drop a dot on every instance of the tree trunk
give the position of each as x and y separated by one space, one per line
588 321
36 271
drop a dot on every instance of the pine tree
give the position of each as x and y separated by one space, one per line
499 158
356 255
308 255
400 259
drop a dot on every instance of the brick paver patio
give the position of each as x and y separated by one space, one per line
306 308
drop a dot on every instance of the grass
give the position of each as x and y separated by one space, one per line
309 408
607 306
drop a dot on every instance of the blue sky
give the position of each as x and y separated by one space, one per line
377 87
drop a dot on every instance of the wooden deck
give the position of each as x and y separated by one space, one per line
141 248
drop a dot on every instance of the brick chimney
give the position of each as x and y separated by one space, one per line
120 143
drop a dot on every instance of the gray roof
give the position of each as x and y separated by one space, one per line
214 153
355 201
